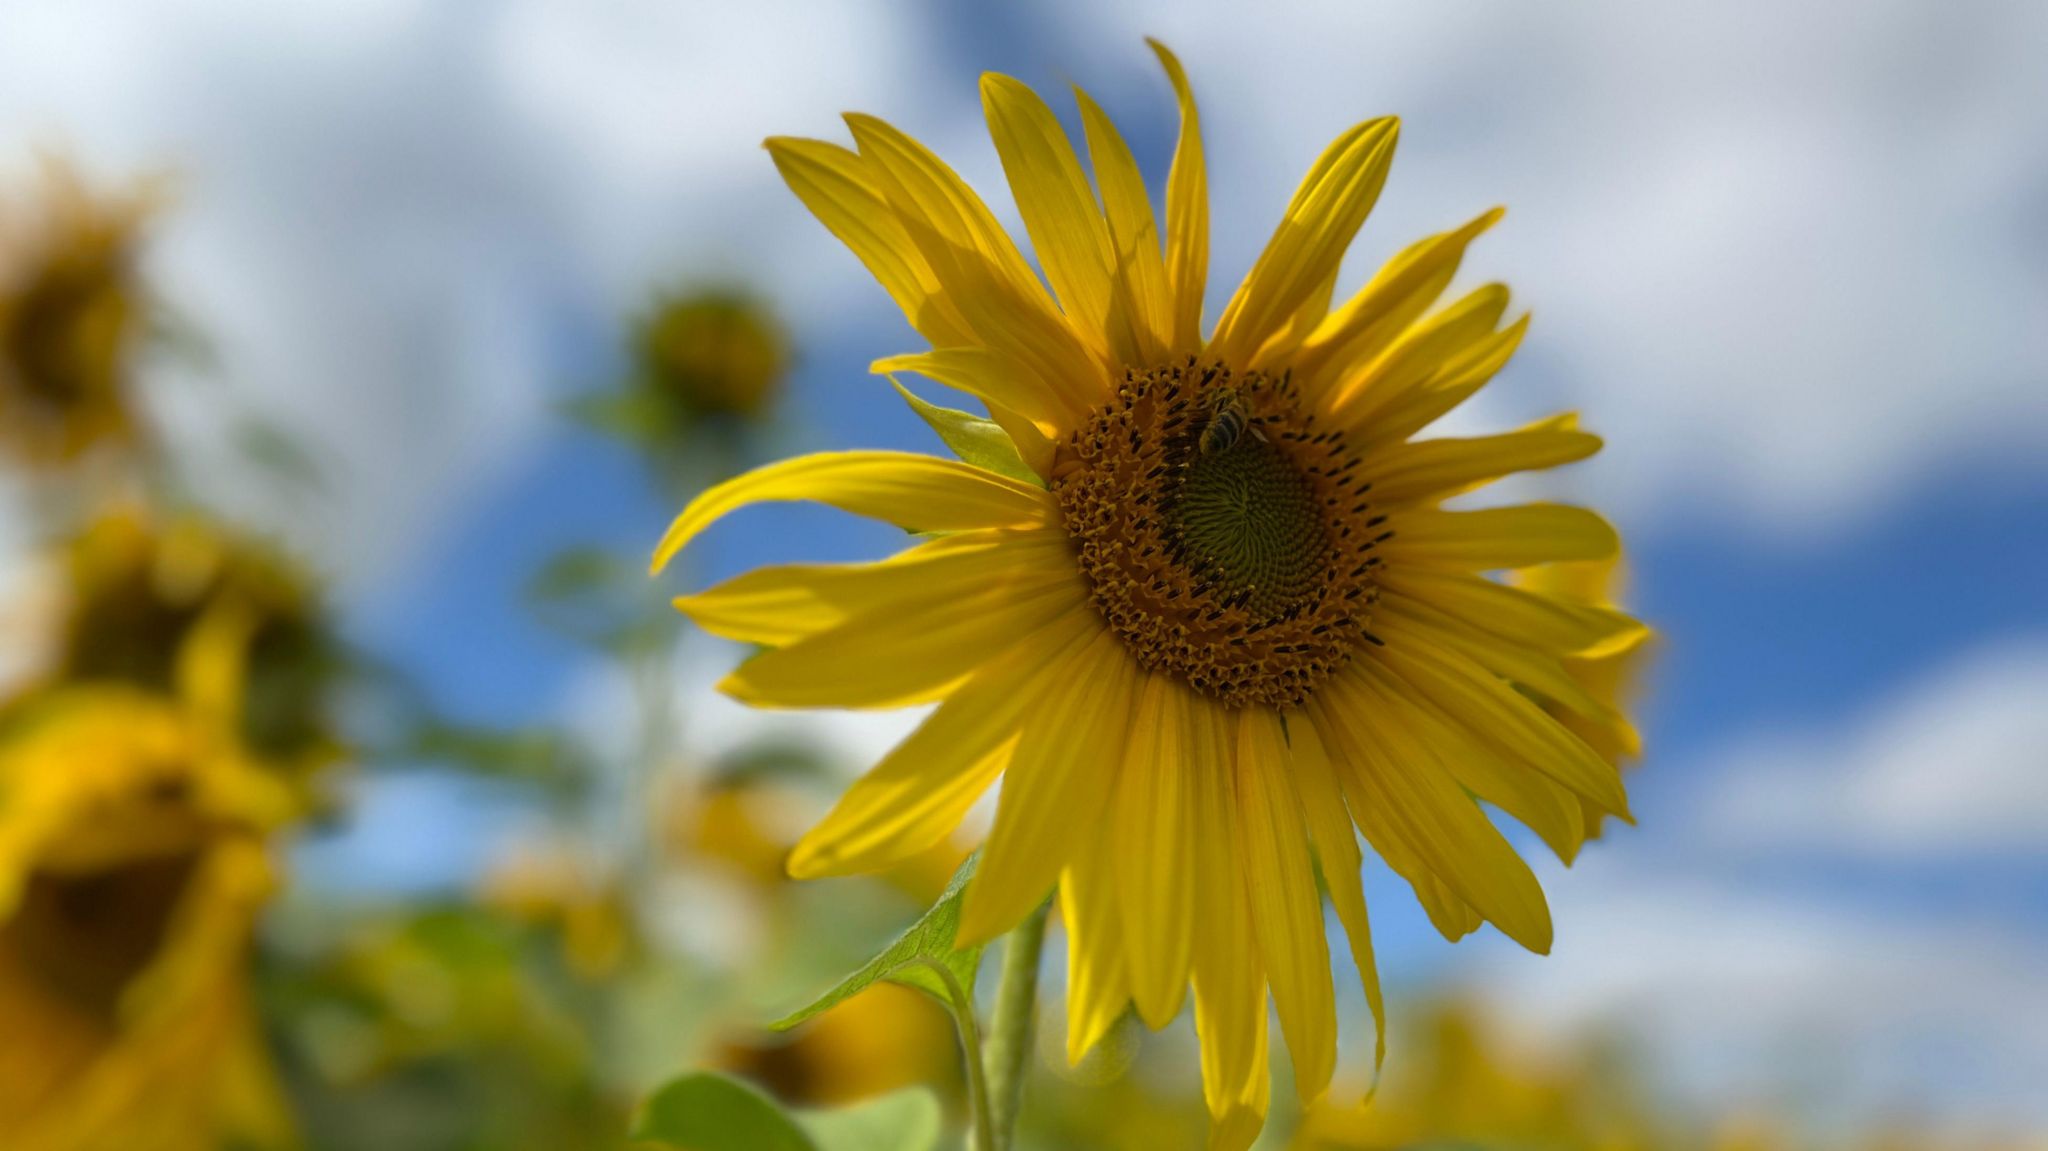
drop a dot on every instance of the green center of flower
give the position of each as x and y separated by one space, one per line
1247 517
1225 538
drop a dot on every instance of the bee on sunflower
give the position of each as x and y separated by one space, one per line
71 315
1194 599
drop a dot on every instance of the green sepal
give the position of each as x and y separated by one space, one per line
976 441
922 957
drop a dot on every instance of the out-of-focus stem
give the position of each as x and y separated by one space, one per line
1009 1040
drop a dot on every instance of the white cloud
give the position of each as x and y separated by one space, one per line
1719 935
1783 258
1753 996
389 209
603 707
1789 258
1957 767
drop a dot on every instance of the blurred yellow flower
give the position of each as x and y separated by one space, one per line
1465 1084
160 603
712 354
1198 603
746 826
132 867
882 1039
71 310
550 885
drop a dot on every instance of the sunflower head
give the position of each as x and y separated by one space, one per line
181 605
132 867
1222 532
712 353
71 309
1200 599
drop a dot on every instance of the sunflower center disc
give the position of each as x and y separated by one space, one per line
1248 518
1225 538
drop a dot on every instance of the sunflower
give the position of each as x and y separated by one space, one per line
1200 605
712 353
132 867
70 314
144 596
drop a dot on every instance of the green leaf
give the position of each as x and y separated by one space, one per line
706 1111
980 442
908 1120
922 957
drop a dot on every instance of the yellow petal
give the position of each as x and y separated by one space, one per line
1496 714
920 791
1326 212
1402 415
914 492
1397 295
1439 469
925 191
1235 1125
1187 213
1156 836
1287 913
1229 983
1528 668
1067 229
1416 361
917 654
1545 622
997 295
833 183
1493 538
1450 914
1553 812
1426 809
1143 299
1058 783
999 379
1098 977
1330 827
778 605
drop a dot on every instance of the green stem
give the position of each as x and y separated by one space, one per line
983 1135
1009 1041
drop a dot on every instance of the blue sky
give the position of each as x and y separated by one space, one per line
1792 265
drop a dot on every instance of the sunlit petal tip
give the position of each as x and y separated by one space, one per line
815 857
735 686
996 84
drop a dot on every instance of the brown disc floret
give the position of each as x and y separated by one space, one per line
1226 539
